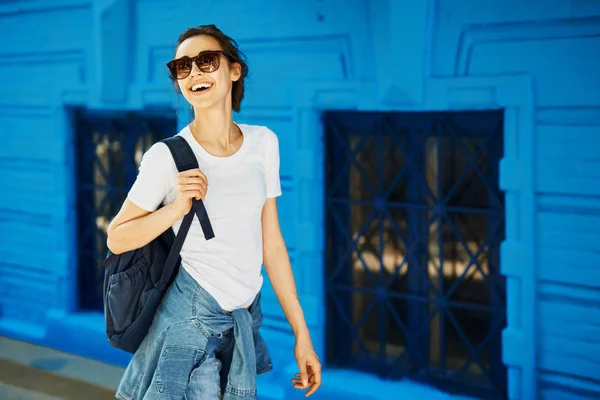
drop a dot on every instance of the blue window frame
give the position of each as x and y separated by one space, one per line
415 219
109 148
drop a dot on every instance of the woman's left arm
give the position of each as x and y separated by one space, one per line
278 266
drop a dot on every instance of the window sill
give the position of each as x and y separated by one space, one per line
348 384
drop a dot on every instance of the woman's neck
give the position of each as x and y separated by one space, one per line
215 128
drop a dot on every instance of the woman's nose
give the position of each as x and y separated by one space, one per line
196 70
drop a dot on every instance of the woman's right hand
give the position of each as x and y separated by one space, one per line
191 184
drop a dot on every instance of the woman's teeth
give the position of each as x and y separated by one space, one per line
201 86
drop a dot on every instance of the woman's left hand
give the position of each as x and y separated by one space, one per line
310 367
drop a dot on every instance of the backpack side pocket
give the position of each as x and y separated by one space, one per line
124 292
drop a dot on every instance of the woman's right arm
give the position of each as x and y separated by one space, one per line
137 224
133 227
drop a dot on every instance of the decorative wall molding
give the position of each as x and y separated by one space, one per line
540 30
15 7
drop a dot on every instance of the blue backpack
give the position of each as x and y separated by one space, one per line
136 281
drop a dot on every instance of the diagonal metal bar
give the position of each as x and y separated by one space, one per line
472 261
350 154
477 351
463 174
407 155
352 327
461 220
397 179
416 333
473 159
409 338
410 249
467 342
472 258
352 244
389 128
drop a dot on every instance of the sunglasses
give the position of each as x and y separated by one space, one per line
206 61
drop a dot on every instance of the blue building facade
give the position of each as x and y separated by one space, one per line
437 158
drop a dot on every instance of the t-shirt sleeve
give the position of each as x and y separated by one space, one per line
272 177
153 181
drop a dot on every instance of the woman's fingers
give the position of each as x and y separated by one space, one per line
192 184
192 191
188 181
314 378
193 173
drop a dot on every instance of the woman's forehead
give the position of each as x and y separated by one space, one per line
194 45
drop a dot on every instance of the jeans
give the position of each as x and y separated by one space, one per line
208 381
194 350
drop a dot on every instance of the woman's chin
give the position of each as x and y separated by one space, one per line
202 104
208 104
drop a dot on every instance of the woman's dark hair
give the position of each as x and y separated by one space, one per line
228 45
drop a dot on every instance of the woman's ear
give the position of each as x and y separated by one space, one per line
236 72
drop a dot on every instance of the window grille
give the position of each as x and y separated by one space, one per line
415 219
109 148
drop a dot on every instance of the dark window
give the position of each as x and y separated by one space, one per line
109 148
415 219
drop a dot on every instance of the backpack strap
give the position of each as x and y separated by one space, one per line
184 159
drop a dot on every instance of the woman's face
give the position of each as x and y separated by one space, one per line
216 88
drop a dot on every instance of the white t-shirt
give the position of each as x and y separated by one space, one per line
229 265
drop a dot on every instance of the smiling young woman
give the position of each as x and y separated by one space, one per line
204 341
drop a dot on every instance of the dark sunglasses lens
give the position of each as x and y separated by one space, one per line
180 69
208 62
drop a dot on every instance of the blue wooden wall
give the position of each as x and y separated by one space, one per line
537 60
